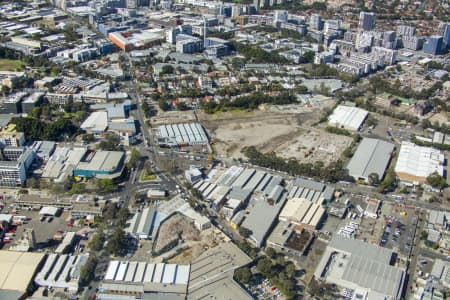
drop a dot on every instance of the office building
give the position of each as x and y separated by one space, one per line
434 45
404 30
188 44
366 21
315 22
411 42
280 16
13 172
444 31
171 33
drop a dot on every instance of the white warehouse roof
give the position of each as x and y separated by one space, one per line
416 163
347 117
142 272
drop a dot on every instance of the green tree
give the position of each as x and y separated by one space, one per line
265 266
436 181
97 241
117 242
167 69
163 105
88 138
111 142
122 216
105 185
135 158
244 232
270 252
373 179
88 269
243 275
77 188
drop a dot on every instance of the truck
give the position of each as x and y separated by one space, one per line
156 193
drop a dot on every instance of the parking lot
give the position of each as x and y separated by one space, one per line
45 229
265 291
398 223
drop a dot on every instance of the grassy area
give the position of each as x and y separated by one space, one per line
147 177
231 113
10 64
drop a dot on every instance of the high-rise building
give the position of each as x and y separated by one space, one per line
404 30
280 16
390 39
366 21
315 22
434 45
444 31
131 4
332 26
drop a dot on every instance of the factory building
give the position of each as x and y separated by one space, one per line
18 270
372 156
183 134
101 164
416 163
141 226
138 279
61 271
300 211
365 270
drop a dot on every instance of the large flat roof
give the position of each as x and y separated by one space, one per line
348 117
212 274
18 269
415 163
372 156
261 217
361 266
102 160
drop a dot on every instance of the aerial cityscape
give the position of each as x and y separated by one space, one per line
224 150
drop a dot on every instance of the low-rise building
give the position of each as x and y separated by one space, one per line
348 117
415 163
61 271
371 157
350 264
300 211
138 279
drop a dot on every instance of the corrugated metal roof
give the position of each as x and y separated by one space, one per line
372 156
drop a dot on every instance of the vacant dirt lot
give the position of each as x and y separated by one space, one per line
288 134
178 228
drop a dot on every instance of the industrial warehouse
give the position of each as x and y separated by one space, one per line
416 163
348 117
184 134
139 278
300 211
364 269
253 199
371 157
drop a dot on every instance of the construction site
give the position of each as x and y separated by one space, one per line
289 134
